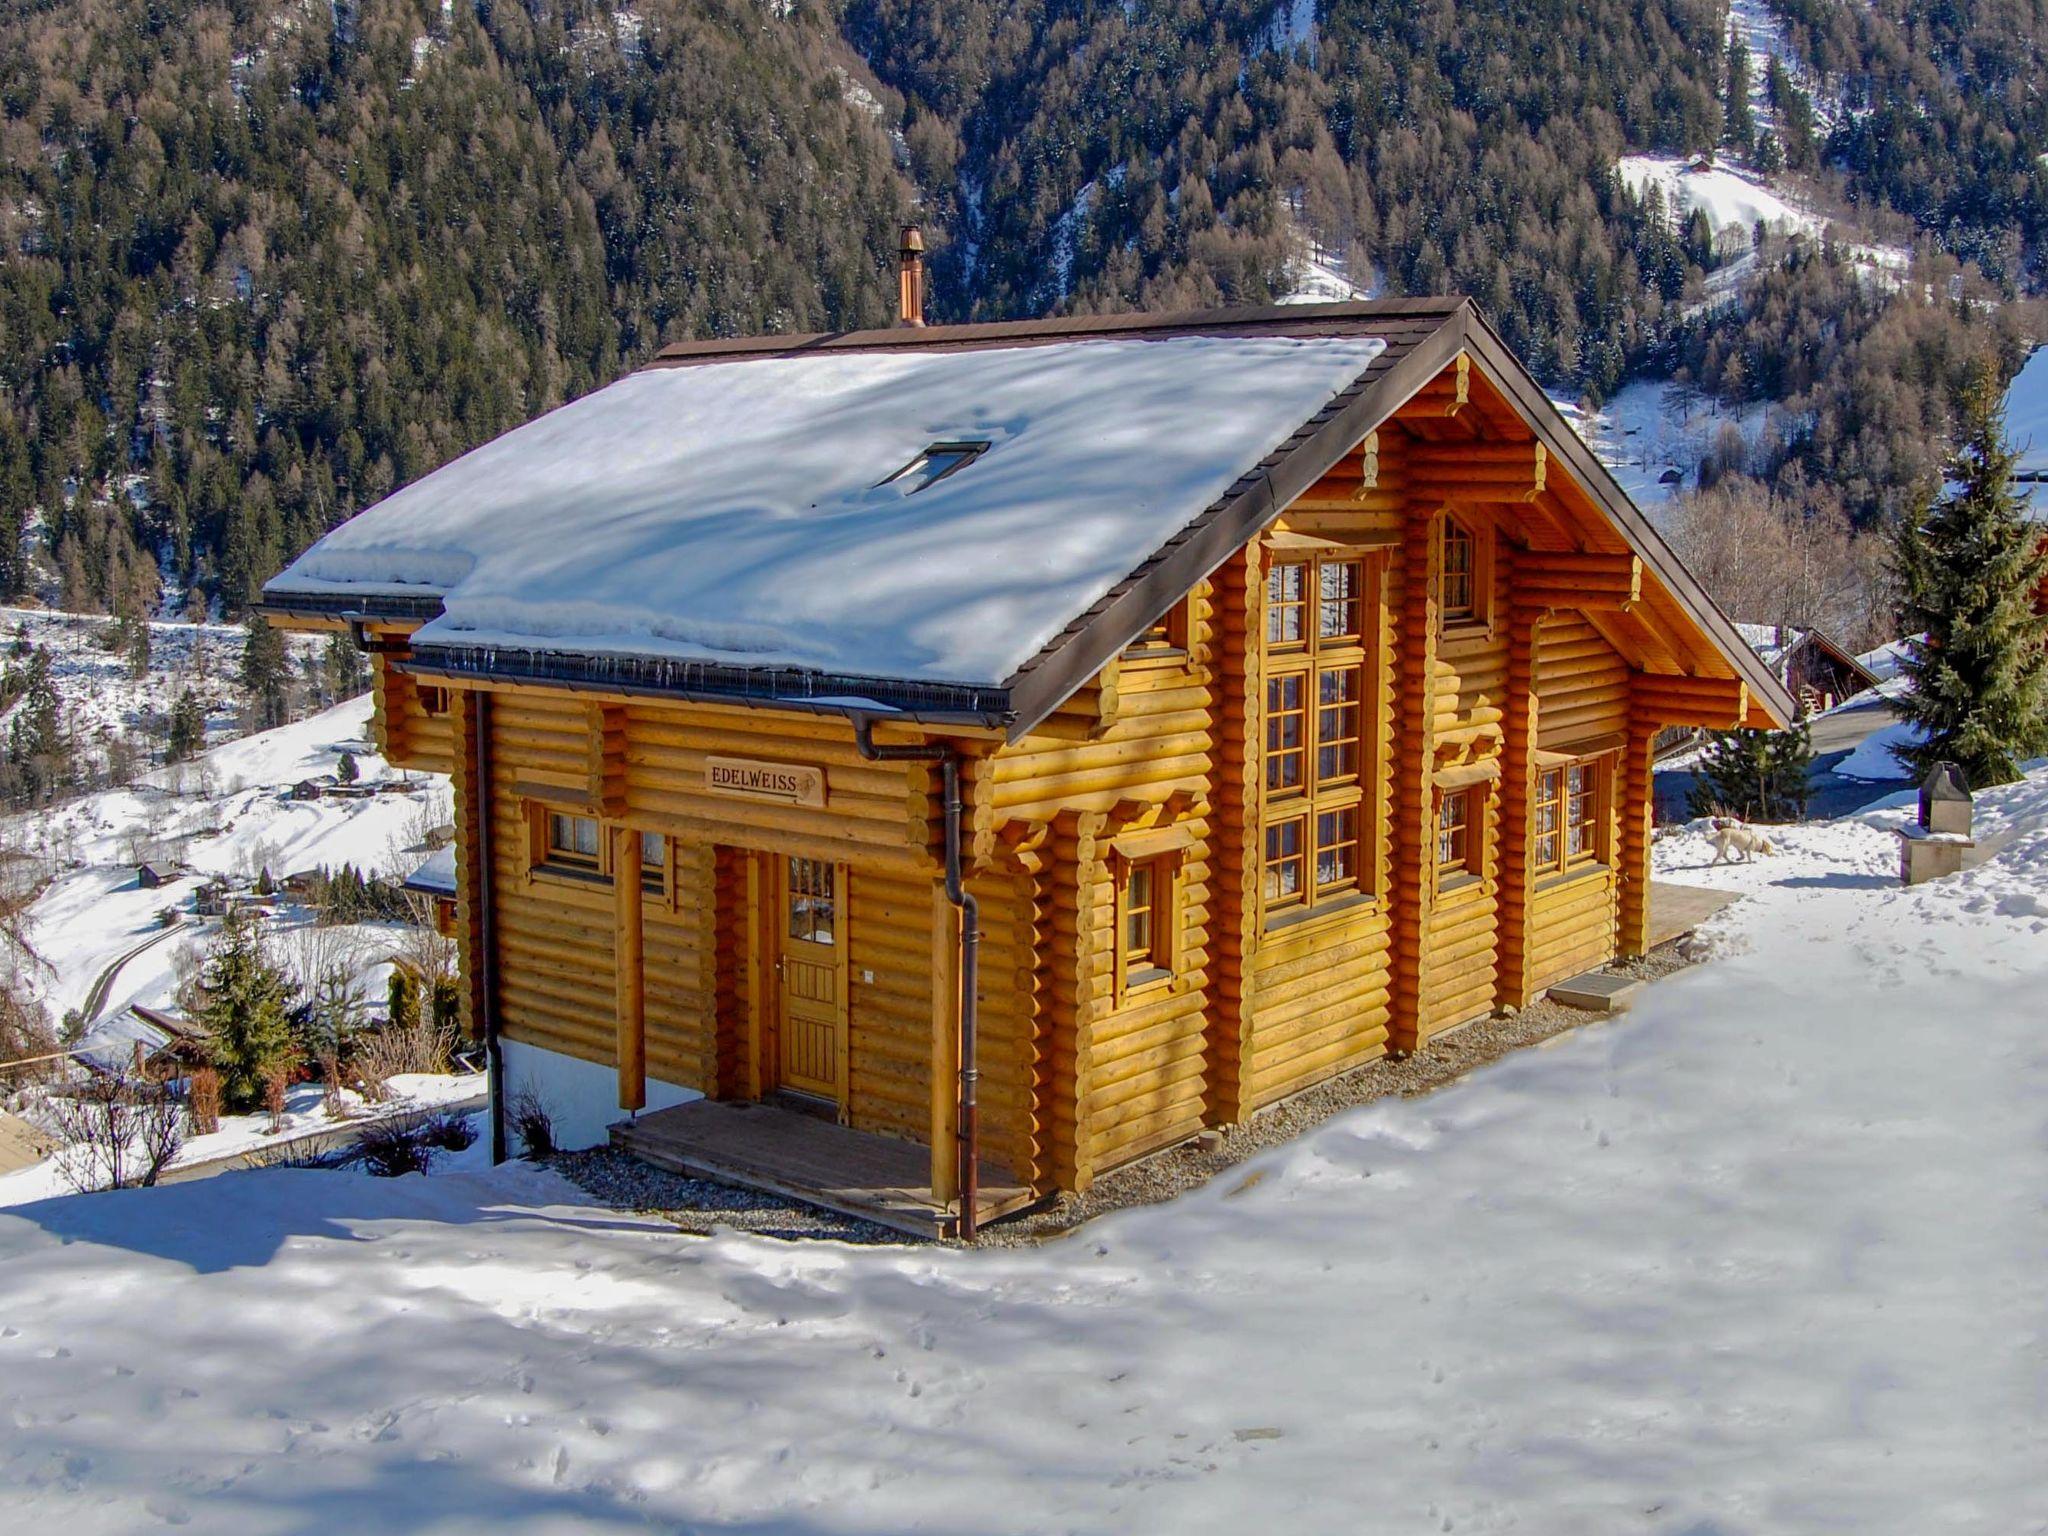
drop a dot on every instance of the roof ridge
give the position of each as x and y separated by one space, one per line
1336 318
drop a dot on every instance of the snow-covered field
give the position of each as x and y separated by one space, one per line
99 696
1650 430
223 814
1765 1255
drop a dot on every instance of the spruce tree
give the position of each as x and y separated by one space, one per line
266 675
187 735
346 770
1974 572
1756 775
246 1007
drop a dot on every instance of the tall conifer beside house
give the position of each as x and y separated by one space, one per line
266 676
1970 573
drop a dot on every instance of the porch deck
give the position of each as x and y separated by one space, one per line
1675 910
804 1157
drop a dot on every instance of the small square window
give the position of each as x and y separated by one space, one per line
433 700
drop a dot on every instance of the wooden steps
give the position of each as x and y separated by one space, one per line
802 1157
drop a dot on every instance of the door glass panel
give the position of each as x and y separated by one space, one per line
811 900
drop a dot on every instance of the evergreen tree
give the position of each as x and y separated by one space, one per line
345 769
38 749
343 666
1974 574
246 1006
404 998
1756 775
266 675
1740 132
187 735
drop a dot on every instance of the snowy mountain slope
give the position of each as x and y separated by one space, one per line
98 694
1763 1255
223 814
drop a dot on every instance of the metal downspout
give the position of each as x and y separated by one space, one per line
494 1052
968 1133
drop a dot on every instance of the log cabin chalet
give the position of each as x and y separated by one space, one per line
1021 747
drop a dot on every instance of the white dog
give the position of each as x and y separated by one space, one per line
1732 837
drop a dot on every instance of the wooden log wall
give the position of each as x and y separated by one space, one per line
405 732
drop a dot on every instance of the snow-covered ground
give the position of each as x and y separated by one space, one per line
1651 431
305 1117
99 696
1763 1255
224 814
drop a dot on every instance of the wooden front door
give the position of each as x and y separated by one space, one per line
810 933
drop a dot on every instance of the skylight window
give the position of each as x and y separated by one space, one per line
934 464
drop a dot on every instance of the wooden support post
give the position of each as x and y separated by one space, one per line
1517 785
1412 823
629 982
1637 770
945 1084
1235 847
754 1072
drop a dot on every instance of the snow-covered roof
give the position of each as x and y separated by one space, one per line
436 874
1770 641
743 511
110 1043
2026 427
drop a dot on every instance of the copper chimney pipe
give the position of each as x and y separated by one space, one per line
910 278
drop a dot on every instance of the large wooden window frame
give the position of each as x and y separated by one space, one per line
1569 816
1318 759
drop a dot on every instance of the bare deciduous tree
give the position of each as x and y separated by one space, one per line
118 1132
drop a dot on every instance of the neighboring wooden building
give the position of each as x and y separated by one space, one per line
1348 749
1814 667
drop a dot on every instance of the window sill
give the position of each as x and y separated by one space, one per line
1459 888
1152 979
1465 631
566 874
1297 920
1159 656
1556 879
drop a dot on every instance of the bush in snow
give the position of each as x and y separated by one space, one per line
202 1101
274 1084
527 1114
1754 775
118 1132
246 1002
393 1147
420 1046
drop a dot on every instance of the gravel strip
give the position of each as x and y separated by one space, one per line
704 1206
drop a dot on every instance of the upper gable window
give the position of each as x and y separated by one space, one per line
934 464
1465 566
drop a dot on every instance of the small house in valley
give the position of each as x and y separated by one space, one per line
990 754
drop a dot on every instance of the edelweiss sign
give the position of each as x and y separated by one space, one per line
787 782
